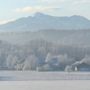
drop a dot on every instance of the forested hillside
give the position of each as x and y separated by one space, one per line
43 55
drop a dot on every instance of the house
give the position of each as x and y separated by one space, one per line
81 67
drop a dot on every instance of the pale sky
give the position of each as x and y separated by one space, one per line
13 9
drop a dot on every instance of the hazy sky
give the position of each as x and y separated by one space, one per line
13 9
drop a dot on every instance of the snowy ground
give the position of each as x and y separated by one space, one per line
30 76
46 85
13 80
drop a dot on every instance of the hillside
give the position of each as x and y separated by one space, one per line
49 50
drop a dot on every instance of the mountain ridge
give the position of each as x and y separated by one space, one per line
42 21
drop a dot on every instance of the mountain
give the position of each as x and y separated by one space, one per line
42 21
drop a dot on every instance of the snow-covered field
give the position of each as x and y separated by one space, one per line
46 85
16 80
34 75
